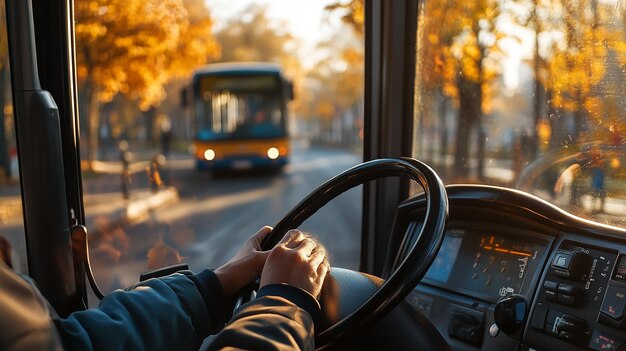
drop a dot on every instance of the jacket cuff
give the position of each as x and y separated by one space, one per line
214 298
297 296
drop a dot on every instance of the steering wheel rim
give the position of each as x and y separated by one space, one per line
411 270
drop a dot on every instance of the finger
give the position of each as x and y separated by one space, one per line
306 246
259 236
318 256
323 269
292 238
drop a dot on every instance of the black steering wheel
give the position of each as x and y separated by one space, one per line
352 300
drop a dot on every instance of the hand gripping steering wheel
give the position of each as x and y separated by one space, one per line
353 300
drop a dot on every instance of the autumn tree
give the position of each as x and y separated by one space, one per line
577 63
352 14
252 36
459 60
457 53
334 85
134 48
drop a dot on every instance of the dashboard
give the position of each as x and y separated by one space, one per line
502 244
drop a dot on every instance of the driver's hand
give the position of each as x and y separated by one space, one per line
298 260
245 266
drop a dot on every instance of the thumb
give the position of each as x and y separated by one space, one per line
260 236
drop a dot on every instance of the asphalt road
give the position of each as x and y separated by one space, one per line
215 215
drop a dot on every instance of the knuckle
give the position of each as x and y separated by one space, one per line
294 232
280 250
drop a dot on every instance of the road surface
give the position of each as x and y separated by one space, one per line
215 215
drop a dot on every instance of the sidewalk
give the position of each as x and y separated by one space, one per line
116 209
105 208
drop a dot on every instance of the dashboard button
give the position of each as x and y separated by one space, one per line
602 341
562 261
620 269
466 327
551 296
567 300
573 265
550 285
570 337
539 316
558 322
566 289
612 311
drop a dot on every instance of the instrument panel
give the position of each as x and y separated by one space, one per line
487 264
554 281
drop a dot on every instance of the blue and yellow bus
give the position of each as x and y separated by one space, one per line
240 116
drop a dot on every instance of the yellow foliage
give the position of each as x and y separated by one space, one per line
449 47
353 14
135 47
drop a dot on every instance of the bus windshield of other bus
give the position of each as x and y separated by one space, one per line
240 114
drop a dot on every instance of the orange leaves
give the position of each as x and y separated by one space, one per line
578 65
134 47
455 42
353 14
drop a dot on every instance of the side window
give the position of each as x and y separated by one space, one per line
12 238
527 95
231 116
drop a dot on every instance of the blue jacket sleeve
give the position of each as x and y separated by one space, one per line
281 317
172 313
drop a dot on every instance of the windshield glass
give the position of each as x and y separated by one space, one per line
203 120
526 94
231 114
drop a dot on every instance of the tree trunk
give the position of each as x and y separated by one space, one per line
580 118
470 101
443 129
538 111
149 116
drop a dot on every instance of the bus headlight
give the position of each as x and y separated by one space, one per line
209 155
273 153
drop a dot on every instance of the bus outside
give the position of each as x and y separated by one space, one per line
240 116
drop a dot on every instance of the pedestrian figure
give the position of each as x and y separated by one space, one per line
598 191
125 160
154 173
166 135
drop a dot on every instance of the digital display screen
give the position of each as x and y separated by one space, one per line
442 265
493 265
257 83
620 269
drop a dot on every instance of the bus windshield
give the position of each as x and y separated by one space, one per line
240 106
